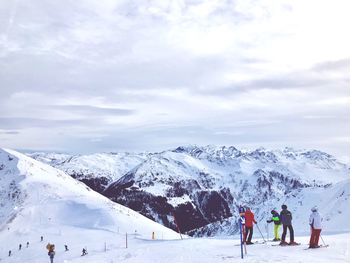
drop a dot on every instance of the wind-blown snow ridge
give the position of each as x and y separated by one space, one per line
34 194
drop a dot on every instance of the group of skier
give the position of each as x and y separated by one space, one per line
283 218
51 251
19 248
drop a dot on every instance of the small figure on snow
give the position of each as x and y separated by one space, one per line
84 252
249 220
316 227
27 244
41 239
66 248
10 252
20 247
51 253
275 218
286 220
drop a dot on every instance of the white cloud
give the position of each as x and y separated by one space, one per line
99 75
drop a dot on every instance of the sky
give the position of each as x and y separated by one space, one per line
107 75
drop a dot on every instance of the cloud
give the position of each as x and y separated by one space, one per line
91 110
9 132
97 75
335 65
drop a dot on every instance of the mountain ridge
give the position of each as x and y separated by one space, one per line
202 185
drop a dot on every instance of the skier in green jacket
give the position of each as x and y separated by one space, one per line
275 218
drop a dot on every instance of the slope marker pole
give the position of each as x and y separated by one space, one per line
240 234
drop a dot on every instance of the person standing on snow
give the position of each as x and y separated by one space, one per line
286 220
316 227
275 218
51 253
249 220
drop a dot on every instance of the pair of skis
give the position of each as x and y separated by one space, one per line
321 246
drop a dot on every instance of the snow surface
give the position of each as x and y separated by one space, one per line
215 168
109 165
38 200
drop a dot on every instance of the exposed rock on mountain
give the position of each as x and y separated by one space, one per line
203 186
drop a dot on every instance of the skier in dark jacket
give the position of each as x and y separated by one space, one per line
275 218
51 253
286 220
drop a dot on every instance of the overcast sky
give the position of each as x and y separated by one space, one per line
104 75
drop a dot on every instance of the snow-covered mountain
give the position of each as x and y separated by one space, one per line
39 200
95 170
202 186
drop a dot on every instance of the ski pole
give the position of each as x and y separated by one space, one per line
267 231
322 240
260 233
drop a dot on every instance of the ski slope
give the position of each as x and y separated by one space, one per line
38 200
193 250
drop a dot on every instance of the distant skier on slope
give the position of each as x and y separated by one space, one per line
249 220
84 252
19 246
275 218
66 248
286 219
316 227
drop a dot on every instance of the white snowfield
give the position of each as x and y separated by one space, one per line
38 200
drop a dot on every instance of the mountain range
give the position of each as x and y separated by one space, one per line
198 189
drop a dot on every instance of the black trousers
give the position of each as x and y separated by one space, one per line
248 233
291 233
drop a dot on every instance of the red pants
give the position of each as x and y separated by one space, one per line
315 236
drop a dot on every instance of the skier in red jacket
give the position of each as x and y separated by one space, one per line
249 220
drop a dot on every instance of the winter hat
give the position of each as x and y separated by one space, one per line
314 209
284 207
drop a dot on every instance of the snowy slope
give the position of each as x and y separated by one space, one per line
46 202
203 186
95 170
39 200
